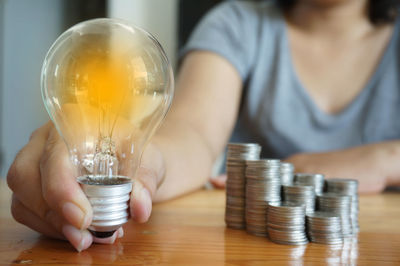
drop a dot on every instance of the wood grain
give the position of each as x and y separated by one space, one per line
190 231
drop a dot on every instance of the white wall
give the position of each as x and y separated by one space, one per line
28 28
159 17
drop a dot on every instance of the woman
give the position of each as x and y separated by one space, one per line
315 82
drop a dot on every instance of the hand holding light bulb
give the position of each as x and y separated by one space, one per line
107 85
47 198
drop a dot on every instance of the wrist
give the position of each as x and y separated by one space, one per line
389 160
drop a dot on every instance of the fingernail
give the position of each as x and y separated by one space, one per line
142 198
76 237
145 198
120 232
75 215
87 239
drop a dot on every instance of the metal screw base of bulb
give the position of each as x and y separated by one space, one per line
109 197
102 234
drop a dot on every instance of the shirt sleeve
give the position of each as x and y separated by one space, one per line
229 30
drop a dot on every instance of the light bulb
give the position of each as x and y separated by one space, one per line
107 85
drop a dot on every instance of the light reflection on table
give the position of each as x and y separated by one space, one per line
191 230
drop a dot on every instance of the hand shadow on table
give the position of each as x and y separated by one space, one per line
51 251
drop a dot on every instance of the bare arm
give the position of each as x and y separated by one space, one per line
376 166
199 124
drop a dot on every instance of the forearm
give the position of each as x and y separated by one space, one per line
389 155
187 160
199 123
374 165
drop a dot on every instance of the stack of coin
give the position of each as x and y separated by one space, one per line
236 183
347 187
286 223
324 228
243 151
287 171
262 187
338 205
304 195
315 180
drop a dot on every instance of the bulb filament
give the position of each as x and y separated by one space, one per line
105 161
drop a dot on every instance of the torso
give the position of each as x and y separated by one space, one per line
302 94
334 71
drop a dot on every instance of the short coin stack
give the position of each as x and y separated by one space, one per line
324 228
339 205
286 224
236 183
304 195
347 187
262 187
287 172
315 180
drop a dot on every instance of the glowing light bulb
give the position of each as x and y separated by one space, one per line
107 85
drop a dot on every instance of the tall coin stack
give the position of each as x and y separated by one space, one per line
236 182
262 187
303 195
339 205
315 180
347 187
324 228
287 172
286 224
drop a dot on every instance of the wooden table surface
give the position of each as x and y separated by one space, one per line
191 230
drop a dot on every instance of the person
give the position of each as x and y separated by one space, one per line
314 81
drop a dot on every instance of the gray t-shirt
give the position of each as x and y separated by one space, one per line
276 110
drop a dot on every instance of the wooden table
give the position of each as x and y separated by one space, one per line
191 230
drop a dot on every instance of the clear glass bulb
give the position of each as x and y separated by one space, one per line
107 85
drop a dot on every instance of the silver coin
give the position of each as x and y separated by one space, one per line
287 173
347 187
300 194
237 155
315 180
262 186
324 225
339 205
286 223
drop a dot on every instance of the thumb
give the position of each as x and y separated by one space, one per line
148 178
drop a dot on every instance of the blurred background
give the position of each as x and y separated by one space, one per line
29 27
